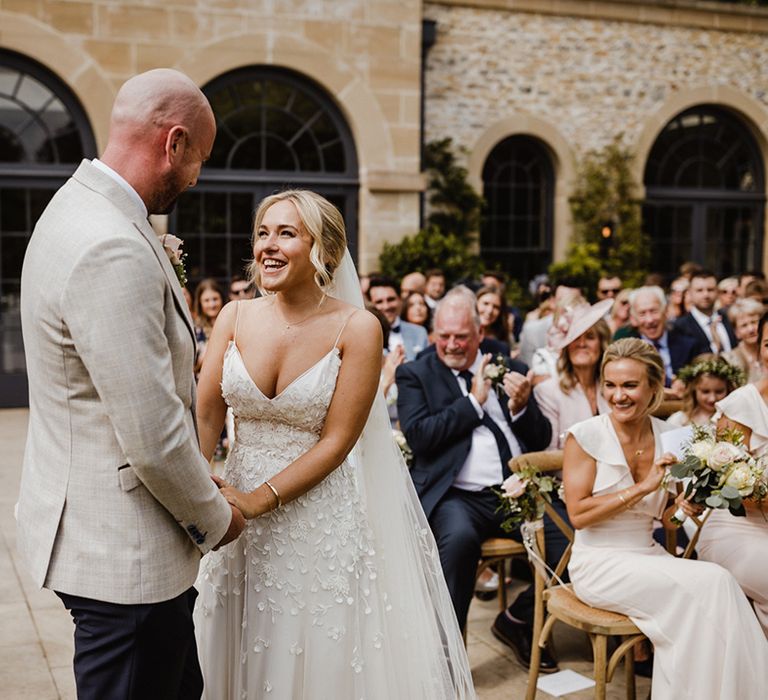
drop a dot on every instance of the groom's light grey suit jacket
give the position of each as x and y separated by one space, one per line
116 501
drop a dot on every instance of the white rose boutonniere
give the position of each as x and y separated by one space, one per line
172 246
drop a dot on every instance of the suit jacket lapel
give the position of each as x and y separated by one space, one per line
153 239
91 177
447 377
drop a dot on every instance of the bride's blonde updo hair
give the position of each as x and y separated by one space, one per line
636 349
321 220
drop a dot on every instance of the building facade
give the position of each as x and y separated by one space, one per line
340 95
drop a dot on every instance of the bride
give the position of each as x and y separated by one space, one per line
334 589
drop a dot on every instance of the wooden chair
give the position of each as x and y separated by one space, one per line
558 602
498 551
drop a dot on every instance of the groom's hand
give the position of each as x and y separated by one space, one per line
236 526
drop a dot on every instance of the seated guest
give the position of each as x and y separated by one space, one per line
573 394
678 301
434 287
493 315
544 360
416 311
757 289
383 294
703 322
462 437
412 282
241 288
619 314
745 278
708 380
648 316
707 641
205 309
534 332
608 287
740 544
744 315
727 292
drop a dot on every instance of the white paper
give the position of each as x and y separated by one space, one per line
674 440
563 682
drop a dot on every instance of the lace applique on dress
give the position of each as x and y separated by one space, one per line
296 594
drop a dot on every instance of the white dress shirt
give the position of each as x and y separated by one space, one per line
120 180
706 325
395 337
662 346
482 467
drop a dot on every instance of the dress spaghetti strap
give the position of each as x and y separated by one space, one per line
343 326
237 319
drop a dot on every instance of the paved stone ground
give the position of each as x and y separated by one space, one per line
36 631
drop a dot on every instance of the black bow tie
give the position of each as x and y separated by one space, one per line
395 328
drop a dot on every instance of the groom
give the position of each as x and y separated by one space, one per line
116 504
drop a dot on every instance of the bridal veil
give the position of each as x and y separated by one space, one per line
425 651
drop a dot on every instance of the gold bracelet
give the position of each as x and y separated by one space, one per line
620 494
277 495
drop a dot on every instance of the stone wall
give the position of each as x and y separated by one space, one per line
578 81
366 53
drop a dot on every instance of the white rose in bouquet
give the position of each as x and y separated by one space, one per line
701 449
742 478
514 486
723 453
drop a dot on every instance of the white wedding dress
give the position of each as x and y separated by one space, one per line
300 605
707 641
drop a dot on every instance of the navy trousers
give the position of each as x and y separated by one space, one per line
135 652
461 521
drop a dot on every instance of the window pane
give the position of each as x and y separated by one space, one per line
518 184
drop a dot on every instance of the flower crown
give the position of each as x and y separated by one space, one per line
717 367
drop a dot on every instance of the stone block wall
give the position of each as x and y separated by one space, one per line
365 53
576 76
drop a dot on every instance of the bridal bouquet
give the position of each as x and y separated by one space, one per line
523 494
720 470
496 371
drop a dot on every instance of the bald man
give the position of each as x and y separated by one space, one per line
116 505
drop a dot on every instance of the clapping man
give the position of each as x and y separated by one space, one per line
117 505
462 437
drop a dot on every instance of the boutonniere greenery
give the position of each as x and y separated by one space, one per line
172 246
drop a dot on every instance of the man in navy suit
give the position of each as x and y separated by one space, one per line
702 322
462 437
648 307
385 297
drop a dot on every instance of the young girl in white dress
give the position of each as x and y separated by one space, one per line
708 644
707 381
334 590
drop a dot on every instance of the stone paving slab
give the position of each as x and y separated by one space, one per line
36 631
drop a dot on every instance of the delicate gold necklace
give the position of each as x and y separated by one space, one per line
288 325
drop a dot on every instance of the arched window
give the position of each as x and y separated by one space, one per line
44 133
705 193
275 129
518 185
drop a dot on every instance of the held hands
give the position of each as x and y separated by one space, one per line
251 505
236 523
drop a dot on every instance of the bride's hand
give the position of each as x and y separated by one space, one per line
246 503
